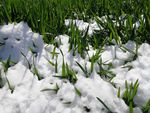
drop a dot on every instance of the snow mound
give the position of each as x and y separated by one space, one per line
55 94
83 26
18 39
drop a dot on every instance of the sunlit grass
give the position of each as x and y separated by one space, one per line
47 16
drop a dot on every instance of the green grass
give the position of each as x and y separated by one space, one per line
1 80
67 72
55 89
108 109
146 107
78 41
84 70
6 65
47 16
129 94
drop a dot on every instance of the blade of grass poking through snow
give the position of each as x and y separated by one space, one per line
94 58
6 65
72 40
82 46
131 108
109 111
92 63
62 53
55 89
84 70
50 62
68 74
135 53
130 93
33 50
114 31
107 74
63 69
78 92
118 94
78 40
146 107
67 103
56 70
71 75
10 87
35 71
29 65
85 37
1 79
54 53
63 72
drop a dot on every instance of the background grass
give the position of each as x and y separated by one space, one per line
47 16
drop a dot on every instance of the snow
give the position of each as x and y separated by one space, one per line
31 95
83 26
18 39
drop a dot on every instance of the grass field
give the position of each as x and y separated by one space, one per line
47 16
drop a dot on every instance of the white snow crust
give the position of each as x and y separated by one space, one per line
30 94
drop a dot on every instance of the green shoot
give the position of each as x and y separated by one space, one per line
56 70
68 74
146 107
63 69
131 108
1 80
130 93
54 52
55 89
85 71
33 52
118 94
67 103
71 75
78 92
109 111
29 65
10 87
35 71
53 64
94 58
107 74
50 62
6 64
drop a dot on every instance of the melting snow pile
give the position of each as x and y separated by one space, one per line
18 39
35 75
